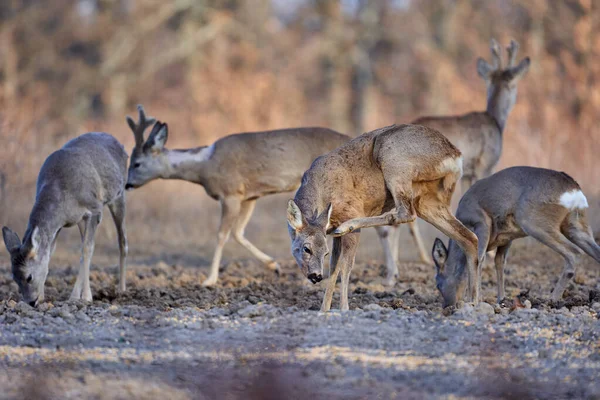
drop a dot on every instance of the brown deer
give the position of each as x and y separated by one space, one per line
478 135
514 203
235 170
385 177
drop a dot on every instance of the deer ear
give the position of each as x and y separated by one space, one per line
324 217
484 69
439 253
294 216
158 137
520 70
11 239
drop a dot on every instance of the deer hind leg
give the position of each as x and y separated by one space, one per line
82 288
499 263
576 228
334 271
230 209
117 210
246 210
544 225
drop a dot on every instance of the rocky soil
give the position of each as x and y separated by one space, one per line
261 336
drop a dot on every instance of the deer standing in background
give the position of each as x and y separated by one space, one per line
514 203
235 170
74 185
385 177
478 135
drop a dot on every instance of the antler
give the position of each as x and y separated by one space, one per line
139 128
512 50
496 54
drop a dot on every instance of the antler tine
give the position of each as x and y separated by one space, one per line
496 54
512 50
139 128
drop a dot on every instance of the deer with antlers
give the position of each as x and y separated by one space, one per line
478 135
385 177
235 170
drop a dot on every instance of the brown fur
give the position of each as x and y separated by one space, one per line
384 177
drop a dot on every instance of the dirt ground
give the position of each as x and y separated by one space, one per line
261 336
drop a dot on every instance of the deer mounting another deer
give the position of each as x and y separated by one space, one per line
236 170
514 203
385 177
478 135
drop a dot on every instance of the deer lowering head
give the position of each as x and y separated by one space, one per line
502 80
147 158
309 242
450 266
29 263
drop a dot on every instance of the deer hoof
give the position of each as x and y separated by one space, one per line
274 266
209 282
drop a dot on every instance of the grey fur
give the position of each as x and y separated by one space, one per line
73 186
514 203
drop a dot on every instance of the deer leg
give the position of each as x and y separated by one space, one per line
394 238
553 238
416 234
386 235
82 284
482 231
246 210
349 246
499 263
440 217
230 208
53 247
117 210
333 275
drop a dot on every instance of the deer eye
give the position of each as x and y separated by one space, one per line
136 165
307 250
29 278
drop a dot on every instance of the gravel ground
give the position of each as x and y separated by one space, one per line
258 335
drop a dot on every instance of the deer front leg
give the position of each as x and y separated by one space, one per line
230 208
82 288
416 235
387 218
334 272
499 263
117 210
386 235
349 246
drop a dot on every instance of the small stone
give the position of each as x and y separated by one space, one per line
23 308
11 304
527 304
372 307
596 306
45 307
254 310
485 309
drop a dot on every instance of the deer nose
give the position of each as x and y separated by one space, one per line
128 186
33 303
314 277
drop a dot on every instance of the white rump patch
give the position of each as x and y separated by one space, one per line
452 165
573 199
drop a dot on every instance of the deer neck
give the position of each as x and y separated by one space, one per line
45 215
188 164
500 103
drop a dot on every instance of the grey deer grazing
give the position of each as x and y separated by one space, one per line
73 186
235 170
384 177
514 203
478 135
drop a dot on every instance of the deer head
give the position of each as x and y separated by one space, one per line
147 160
309 241
450 275
502 81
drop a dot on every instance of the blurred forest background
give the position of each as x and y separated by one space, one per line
214 67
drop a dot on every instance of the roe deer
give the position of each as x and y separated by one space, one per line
514 203
74 185
384 177
478 135
235 170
